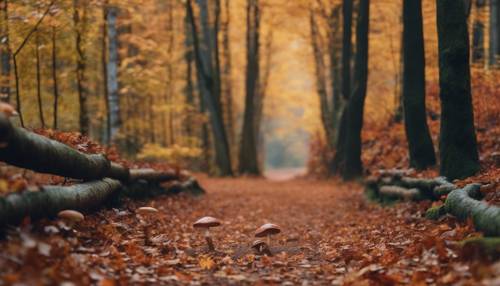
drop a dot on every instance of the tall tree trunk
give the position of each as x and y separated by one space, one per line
114 119
170 79
320 70
54 78
355 107
458 146
335 55
189 88
248 161
207 81
227 84
494 51
5 52
417 132
104 66
38 79
338 161
79 18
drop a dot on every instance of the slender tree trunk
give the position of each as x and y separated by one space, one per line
458 146
104 66
112 73
79 19
355 108
189 89
494 51
38 79
54 78
227 85
248 161
5 52
206 79
335 55
417 132
338 161
321 80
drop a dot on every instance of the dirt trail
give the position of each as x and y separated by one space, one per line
330 235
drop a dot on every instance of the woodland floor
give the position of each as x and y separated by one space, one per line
330 235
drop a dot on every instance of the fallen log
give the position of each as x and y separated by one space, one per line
463 204
50 200
152 175
395 192
28 150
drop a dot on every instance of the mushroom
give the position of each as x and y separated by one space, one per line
261 246
266 230
71 217
8 110
206 223
143 213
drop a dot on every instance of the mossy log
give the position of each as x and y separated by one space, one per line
49 200
481 248
28 150
395 192
152 175
463 203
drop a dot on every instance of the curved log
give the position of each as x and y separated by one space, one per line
28 150
463 203
152 175
51 199
395 192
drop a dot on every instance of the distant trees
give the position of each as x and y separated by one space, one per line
494 51
5 52
80 26
458 146
419 139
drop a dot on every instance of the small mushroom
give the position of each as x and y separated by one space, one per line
261 247
71 217
206 223
146 210
146 213
266 230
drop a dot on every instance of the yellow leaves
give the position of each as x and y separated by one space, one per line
174 153
206 262
4 186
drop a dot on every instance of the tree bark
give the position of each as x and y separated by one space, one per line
227 76
114 118
81 62
38 79
458 147
54 78
248 160
355 107
321 89
5 52
338 162
419 139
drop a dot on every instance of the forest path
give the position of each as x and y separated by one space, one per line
330 235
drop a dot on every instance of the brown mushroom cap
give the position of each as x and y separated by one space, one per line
146 210
206 222
71 215
267 229
257 243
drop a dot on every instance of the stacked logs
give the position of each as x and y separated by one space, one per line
103 180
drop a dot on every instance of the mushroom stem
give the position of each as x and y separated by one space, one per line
209 240
269 240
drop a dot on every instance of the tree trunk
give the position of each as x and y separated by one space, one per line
417 131
114 120
321 81
458 146
248 160
5 52
80 23
38 79
54 78
338 161
494 51
335 54
355 107
207 81
227 84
